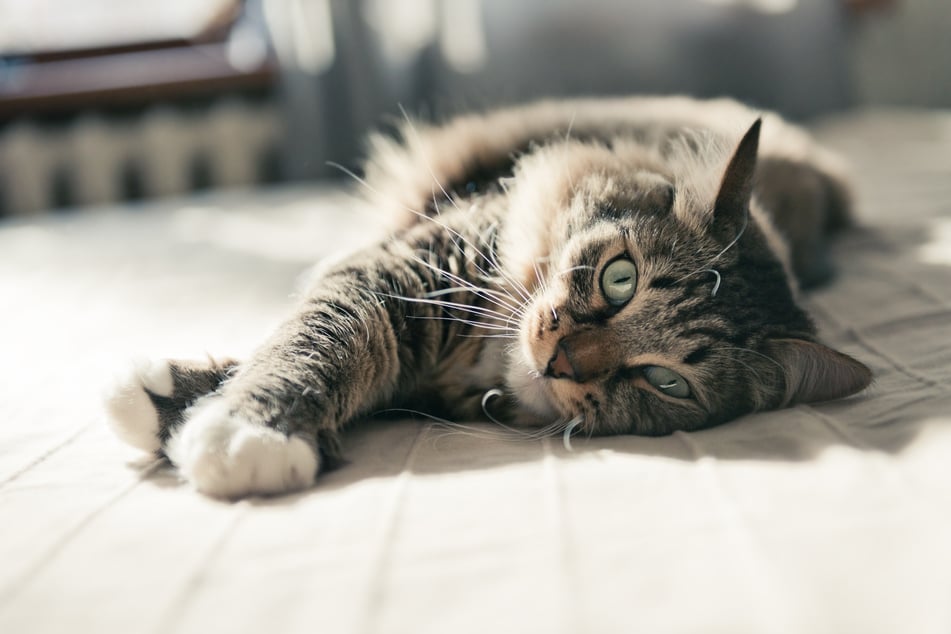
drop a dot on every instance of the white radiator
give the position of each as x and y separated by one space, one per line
93 159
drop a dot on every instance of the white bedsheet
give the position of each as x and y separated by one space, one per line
828 518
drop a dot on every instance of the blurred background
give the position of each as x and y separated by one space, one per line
106 101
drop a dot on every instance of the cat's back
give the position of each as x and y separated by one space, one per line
424 164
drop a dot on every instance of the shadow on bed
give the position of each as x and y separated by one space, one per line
879 423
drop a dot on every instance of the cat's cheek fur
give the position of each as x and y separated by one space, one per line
131 413
226 456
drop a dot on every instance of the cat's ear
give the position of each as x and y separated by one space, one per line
736 187
814 372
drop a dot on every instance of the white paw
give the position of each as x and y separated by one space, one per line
132 415
226 456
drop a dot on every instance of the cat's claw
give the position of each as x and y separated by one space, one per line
131 413
225 456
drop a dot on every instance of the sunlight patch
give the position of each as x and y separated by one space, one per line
764 6
938 249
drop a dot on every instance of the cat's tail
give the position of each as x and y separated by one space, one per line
839 205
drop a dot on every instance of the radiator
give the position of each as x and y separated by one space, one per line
165 151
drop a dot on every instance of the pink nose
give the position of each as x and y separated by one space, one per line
560 366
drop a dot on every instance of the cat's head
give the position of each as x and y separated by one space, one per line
659 311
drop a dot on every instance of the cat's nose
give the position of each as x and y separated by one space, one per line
584 356
559 366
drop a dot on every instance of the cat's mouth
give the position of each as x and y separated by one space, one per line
533 391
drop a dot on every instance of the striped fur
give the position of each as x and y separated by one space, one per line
503 224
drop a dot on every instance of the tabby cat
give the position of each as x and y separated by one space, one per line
599 266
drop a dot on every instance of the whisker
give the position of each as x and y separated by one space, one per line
476 319
703 269
538 273
482 310
549 430
476 310
496 297
484 293
349 172
580 267
746 222
454 427
543 284
531 435
572 424
571 124
455 235
485 399
462 281
419 141
471 288
503 432
505 321
468 322
716 285
517 285
406 208
472 431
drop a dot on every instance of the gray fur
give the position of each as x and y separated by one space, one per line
503 224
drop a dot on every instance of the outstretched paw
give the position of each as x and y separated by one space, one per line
132 414
226 456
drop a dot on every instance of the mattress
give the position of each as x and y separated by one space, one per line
825 518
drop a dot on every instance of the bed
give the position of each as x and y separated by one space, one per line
826 518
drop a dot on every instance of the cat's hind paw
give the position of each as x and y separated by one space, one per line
131 413
226 456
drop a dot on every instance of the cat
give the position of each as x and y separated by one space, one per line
596 266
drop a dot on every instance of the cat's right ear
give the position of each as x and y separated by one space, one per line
814 372
736 187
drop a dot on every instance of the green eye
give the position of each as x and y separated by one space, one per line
618 281
667 381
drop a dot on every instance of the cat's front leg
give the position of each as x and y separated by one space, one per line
347 350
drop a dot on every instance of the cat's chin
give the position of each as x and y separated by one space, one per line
534 397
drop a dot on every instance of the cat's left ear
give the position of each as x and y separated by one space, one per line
736 187
814 372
